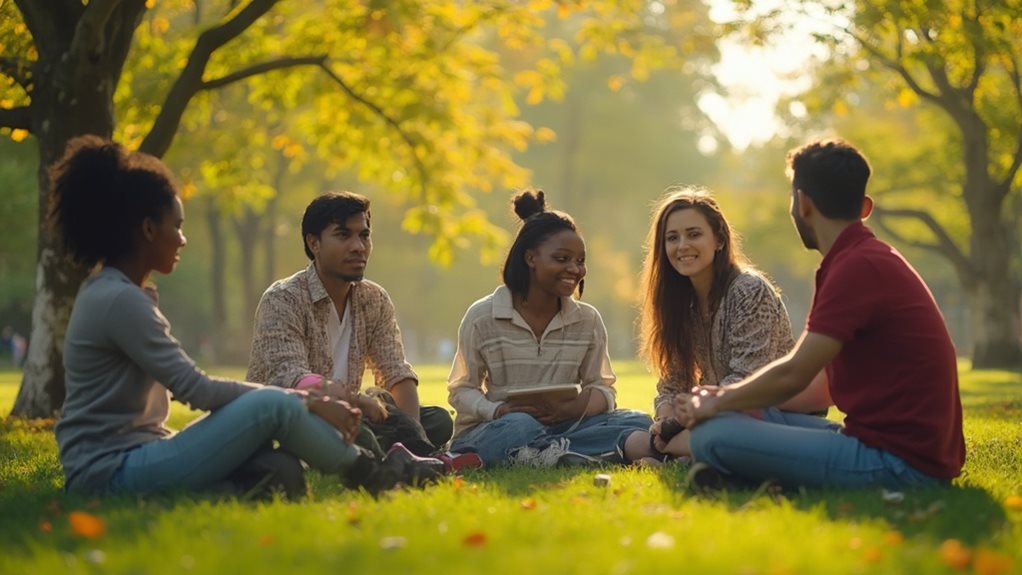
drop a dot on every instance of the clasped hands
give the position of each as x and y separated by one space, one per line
693 408
342 407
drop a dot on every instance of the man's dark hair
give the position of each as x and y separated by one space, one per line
833 174
331 208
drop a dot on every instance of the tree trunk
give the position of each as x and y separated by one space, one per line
993 298
247 228
993 301
73 95
218 261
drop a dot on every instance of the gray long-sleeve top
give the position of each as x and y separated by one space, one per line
121 367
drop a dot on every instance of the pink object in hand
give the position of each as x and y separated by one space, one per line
309 381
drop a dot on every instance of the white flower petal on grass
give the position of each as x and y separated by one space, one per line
660 540
393 542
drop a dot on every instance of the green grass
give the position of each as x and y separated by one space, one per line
525 521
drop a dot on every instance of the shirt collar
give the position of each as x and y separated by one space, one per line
504 309
849 237
316 290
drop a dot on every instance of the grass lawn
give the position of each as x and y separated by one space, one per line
528 521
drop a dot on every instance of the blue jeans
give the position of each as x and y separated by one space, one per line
599 434
796 449
211 448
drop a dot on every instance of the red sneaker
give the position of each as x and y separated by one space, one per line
458 462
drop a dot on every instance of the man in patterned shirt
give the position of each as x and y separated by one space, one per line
319 328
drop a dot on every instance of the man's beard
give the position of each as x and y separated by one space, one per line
805 233
352 277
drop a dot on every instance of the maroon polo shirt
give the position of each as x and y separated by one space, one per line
896 377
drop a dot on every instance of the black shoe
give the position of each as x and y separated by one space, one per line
573 459
414 470
369 473
269 472
704 478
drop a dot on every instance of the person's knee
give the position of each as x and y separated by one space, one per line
631 418
273 403
706 438
517 420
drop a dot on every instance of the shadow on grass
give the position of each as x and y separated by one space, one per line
967 513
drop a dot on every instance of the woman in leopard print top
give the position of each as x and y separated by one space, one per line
708 317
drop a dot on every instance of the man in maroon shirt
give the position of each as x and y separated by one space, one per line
874 328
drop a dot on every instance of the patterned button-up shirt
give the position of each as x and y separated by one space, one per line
291 340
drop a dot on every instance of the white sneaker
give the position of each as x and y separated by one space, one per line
556 454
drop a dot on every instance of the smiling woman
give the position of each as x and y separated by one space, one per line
531 333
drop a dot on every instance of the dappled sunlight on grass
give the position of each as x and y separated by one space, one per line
641 520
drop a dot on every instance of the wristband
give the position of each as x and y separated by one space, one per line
309 381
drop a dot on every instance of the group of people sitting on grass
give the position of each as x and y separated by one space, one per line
531 382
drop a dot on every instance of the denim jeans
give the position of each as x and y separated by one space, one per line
796 449
599 434
207 451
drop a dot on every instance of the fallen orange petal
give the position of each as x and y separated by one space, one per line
458 483
894 538
991 563
45 526
475 539
265 540
1013 502
872 554
529 503
954 554
86 524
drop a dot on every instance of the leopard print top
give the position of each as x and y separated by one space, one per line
748 330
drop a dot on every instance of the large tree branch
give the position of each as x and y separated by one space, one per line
89 39
895 66
978 66
46 21
17 69
1016 162
262 68
16 118
189 82
943 245
419 166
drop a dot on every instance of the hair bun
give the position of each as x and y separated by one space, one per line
529 203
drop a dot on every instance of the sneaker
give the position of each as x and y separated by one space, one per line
704 478
413 469
554 455
458 462
269 472
372 474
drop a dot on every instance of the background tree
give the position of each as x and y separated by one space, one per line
956 66
412 94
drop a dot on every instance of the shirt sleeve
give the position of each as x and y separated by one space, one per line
279 355
465 384
758 330
842 305
595 371
666 389
137 327
385 352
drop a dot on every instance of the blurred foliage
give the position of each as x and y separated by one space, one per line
18 223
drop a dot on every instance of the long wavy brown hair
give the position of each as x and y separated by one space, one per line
669 301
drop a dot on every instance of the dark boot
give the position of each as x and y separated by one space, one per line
269 472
